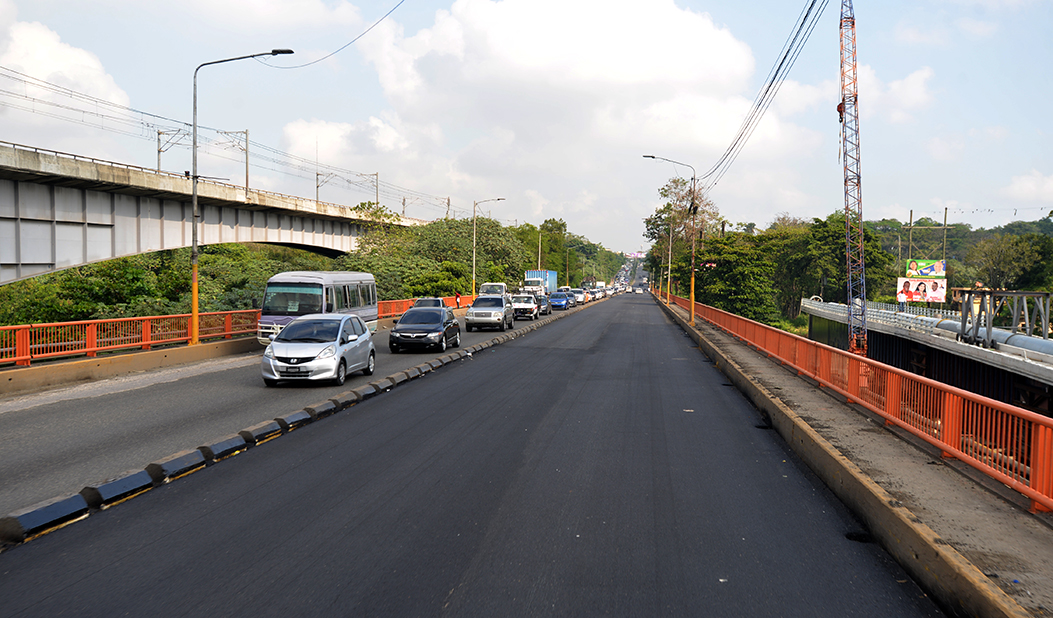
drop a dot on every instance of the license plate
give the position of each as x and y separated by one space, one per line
294 369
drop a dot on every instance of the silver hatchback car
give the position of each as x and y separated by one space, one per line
320 346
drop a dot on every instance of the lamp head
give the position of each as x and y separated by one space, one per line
280 52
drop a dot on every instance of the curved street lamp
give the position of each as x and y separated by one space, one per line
474 205
193 199
693 211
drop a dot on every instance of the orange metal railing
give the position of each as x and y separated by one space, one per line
28 342
1008 443
395 308
25 343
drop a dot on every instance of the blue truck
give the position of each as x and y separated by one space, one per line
540 281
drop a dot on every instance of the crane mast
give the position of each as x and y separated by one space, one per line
849 111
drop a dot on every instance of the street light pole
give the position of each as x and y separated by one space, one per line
474 206
694 235
193 198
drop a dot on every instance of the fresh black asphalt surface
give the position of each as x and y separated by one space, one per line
597 466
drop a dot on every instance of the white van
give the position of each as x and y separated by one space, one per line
292 294
493 289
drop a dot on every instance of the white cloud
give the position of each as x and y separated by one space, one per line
935 35
895 101
945 148
1032 187
253 15
977 28
33 49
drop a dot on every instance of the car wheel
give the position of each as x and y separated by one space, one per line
371 365
504 325
341 374
270 382
394 349
468 327
442 343
456 340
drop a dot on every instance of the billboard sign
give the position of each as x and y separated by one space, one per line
927 269
918 289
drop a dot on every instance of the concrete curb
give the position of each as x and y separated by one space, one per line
64 373
50 515
958 585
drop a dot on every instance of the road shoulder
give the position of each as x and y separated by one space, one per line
975 550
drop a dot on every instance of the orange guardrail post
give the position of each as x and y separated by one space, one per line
227 325
22 346
951 423
1041 464
91 342
893 396
145 330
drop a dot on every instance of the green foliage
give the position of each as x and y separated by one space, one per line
735 276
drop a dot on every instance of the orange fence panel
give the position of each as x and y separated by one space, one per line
1008 443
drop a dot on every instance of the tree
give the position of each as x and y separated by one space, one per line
1002 259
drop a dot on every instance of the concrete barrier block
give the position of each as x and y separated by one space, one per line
399 378
223 448
321 409
345 400
366 391
114 491
435 364
296 420
43 517
261 432
423 368
413 372
383 384
175 466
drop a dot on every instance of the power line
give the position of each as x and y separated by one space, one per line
348 44
795 42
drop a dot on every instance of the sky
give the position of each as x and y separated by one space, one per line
550 104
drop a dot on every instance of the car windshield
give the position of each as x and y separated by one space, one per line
428 302
558 296
523 299
488 302
421 317
310 331
292 299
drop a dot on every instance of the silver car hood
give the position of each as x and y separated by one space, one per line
291 349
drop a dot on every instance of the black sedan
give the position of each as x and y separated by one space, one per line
425 327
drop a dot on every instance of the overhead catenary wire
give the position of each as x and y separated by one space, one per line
127 121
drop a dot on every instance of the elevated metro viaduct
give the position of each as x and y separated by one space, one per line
59 210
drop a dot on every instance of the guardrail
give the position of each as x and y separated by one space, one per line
28 342
25 343
395 308
1008 443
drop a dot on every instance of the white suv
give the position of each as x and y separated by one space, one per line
492 311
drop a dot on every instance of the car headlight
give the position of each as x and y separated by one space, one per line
327 352
268 353
434 335
469 314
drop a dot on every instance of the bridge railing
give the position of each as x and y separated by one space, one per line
28 342
1008 443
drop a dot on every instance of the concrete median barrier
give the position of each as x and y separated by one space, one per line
118 489
296 420
223 448
176 466
261 432
43 517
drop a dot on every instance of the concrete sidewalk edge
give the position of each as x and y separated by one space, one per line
63 373
941 570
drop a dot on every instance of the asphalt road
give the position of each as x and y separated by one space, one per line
598 466
56 442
